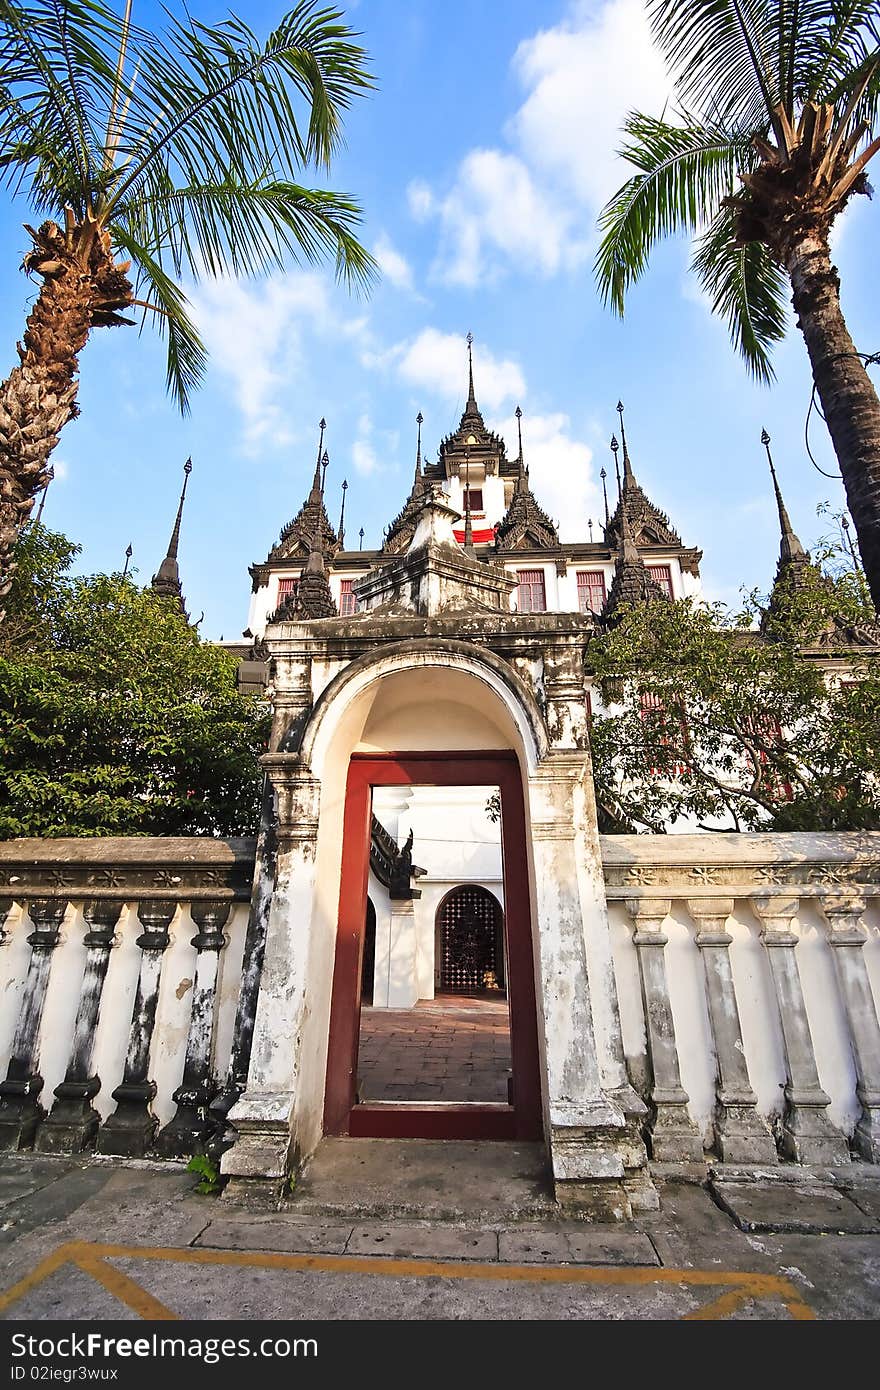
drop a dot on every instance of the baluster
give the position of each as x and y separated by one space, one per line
73 1122
130 1130
674 1136
189 1128
847 936
808 1135
20 1109
741 1134
6 906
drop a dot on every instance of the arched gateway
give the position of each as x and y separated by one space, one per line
434 681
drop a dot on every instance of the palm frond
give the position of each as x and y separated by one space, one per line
229 228
747 288
215 98
723 55
685 171
838 52
187 355
56 64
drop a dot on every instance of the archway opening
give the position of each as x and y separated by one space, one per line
416 1063
434 1019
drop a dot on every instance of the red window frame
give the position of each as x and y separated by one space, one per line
474 499
591 591
286 587
650 702
662 575
348 603
769 727
531 596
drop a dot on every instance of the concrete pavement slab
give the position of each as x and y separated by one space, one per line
433 1242
792 1208
273 1233
589 1247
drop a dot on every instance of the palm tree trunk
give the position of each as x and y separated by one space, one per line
847 395
39 397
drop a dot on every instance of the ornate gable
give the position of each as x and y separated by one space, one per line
525 525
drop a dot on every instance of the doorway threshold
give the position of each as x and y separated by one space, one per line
432 1120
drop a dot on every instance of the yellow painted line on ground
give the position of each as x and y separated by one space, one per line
88 1256
123 1288
59 1257
720 1307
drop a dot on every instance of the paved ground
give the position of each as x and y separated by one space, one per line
452 1048
418 1230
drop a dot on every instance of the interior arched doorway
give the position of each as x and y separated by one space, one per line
470 949
368 968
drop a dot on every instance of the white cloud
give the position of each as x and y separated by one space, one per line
438 362
60 470
496 213
392 264
373 451
254 335
582 77
534 205
560 473
420 199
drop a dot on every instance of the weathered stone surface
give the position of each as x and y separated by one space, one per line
787 1207
273 1233
588 1247
424 1242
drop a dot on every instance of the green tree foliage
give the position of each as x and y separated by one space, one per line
707 718
114 718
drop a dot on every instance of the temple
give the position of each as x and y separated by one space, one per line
501 522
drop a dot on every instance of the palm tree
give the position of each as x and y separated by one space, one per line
150 157
771 137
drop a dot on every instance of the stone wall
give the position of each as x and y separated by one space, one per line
747 968
120 968
748 971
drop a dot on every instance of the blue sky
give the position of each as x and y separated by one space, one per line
481 163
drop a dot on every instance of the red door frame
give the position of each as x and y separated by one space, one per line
522 1120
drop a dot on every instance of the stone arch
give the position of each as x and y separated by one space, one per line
511 694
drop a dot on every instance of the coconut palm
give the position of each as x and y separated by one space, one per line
151 157
777 102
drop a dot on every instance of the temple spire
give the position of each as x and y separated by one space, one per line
790 547
518 414
472 400
166 580
627 466
614 448
603 475
631 583
341 533
647 524
420 420
317 482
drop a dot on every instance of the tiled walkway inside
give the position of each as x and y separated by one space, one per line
452 1048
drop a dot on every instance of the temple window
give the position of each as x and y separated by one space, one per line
286 587
531 595
474 499
662 575
347 600
591 591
